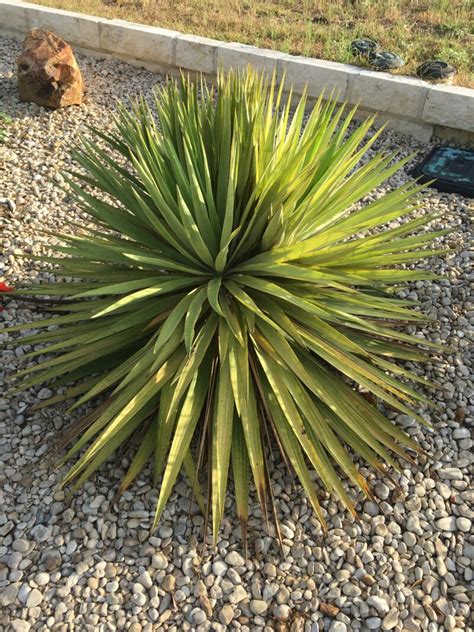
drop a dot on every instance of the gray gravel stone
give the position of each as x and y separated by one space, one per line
51 559
198 616
45 393
374 623
21 545
8 594
41 533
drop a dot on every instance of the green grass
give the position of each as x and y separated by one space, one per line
417 30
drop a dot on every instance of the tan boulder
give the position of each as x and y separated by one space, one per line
48 73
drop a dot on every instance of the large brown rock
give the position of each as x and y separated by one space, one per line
48 73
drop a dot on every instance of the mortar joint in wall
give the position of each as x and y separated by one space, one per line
421 107
350 82
174 44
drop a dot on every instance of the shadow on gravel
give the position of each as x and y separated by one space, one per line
7 87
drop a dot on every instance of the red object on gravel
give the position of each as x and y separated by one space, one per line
5 288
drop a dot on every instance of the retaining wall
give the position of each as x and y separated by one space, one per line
410 105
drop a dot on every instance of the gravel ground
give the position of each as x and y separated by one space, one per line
82 563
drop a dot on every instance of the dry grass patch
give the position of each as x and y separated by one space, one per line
416 29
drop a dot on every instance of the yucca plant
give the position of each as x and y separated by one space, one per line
235 286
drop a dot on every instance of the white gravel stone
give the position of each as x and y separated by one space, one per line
34 598
234 559
351 590
42 579
282 612
238 595
258 606
446 524
19 625
379 603
413 525
390 620
145 579
450 473
226 614
159 561
464 524
219 568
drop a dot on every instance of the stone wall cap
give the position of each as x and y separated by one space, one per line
254 50
144 28
199 39
387 76
322 63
